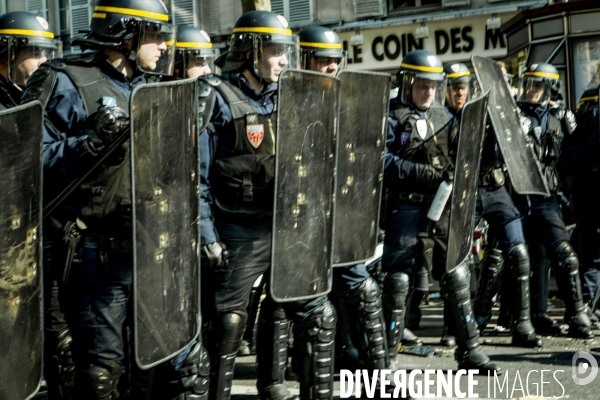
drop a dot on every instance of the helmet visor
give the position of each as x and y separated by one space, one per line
459 93
534 90
24 59
423 93
156 48
196 65
271 57
327 64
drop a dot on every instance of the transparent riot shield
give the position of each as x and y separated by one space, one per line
523 168
308 106
466 173
20 258
164 184
364 102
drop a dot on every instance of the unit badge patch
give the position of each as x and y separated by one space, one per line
255 134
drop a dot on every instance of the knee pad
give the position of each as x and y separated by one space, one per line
455 285
566 257
518 260
98 380
227 332
194 373
396 290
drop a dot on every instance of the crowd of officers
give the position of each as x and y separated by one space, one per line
86 317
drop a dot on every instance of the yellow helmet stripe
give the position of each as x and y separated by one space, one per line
195 45
99 15
134 12
588 98
542 75
458 74
262 30
420 68
26 32
321 45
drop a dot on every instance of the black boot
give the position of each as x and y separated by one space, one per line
396 290
491 266
455 286
523 331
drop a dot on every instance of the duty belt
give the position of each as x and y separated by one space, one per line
416 198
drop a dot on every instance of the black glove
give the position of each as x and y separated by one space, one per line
428 175
106 125
214 255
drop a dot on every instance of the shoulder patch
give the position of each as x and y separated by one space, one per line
40 85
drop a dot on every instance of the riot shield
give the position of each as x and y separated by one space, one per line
20 257
524 170
466 173
364 101
308 107
164 184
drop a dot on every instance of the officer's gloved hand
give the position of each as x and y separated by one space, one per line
106 126
214 255
428 175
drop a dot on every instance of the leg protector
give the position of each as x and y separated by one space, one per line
568 275
194 374
397 286
225 338
314 349
367 324
60 367
517 261
455 287
486 287
272 350
98 380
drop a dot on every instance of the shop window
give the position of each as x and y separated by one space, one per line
409 5
559 57
518 39
586 64
584 23
369 8
542 52
548 28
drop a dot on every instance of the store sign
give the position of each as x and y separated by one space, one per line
453 40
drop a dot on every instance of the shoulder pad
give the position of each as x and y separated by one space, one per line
212 79
41 83
206 103
204 88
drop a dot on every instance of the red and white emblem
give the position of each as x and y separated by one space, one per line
255 134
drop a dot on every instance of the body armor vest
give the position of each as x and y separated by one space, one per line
243 180
546 147
107 191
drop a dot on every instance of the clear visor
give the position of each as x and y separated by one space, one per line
459 93
325 65
423 93
25 59
156 48
196 65
534 90
271 57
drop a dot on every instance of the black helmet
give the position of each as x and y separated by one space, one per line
417 67
114 21
457 73
317 41
257 30
193 45
536 83
22 30
460 85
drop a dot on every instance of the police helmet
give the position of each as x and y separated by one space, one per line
421 70
193 47
460 85
143 21
536 83
24 34
262 33
318 42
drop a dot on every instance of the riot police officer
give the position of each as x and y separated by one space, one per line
194 53
356 294
237 155
26 43
130 38
495 205
415 162
542 217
